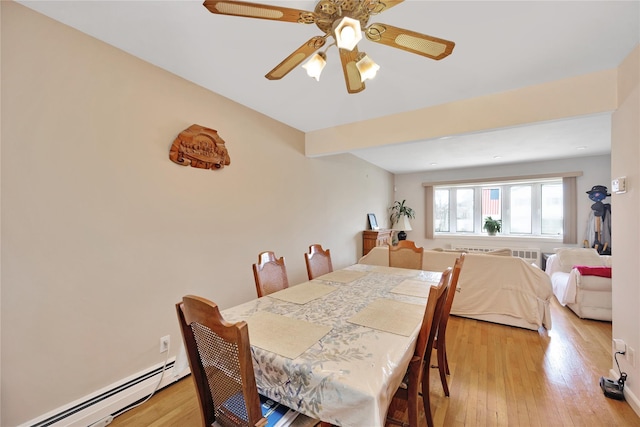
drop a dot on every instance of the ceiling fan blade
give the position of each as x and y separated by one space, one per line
421 44
293 60
351 73
258 10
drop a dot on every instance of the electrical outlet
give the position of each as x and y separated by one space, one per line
619 185
164 343
619 345
631 356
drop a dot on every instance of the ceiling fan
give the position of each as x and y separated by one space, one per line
345 21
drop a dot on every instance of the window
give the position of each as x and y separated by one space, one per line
441 205
464 210
525 208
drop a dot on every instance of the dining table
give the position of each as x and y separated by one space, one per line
336 348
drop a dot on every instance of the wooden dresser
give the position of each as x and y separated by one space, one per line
373 238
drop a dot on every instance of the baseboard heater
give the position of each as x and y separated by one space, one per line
528 254
112 400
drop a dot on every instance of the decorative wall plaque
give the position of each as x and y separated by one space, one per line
200 147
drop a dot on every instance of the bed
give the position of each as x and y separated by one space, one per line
494 288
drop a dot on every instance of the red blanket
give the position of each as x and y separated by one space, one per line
587 270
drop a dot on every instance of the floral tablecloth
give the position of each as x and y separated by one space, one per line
349 376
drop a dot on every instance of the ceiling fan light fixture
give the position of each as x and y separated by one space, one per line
347 33
347 22
367 68
315 65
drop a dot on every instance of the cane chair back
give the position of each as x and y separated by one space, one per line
270 274
318 261
220 360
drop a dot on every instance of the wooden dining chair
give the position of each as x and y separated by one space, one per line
440 343
416 380
318 261
219 355
406 255
270 274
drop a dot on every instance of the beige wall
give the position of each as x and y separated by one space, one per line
596 171
625 161
102 233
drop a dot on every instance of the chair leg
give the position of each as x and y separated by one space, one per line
442 365
446 359
412 405
426 402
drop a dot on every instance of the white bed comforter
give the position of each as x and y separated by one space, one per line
500 289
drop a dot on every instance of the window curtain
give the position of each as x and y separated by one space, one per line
570 196
428 211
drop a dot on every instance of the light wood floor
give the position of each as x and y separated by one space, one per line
500 376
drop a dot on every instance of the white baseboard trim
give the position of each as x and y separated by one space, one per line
111 400
629 396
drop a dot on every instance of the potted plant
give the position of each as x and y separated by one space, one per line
400 214
492 226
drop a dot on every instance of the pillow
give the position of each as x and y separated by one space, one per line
588 270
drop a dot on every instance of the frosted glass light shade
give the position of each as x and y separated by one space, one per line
315 65
347 33
367 68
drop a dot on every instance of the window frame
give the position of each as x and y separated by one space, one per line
569 185
534 188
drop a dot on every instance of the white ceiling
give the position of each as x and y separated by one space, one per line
500 46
